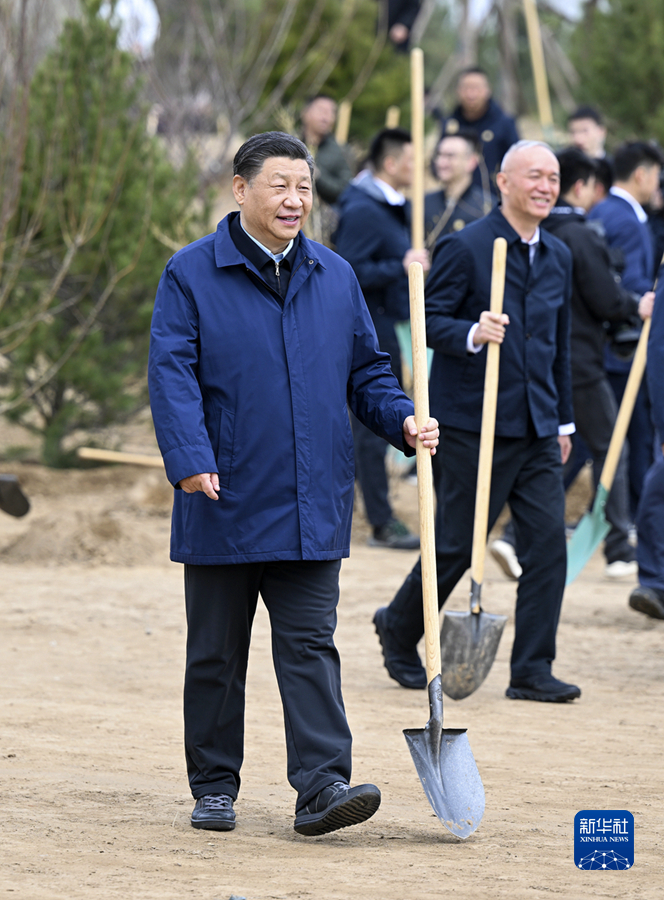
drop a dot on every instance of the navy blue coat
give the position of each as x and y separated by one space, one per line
534 372
374 237
623 229
496 132
258 392
655 368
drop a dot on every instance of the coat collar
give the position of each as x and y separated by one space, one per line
227 254
503 229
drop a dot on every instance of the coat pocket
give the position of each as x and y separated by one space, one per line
226 447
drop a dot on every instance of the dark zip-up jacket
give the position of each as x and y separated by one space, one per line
597 293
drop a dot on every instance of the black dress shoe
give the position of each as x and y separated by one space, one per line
544 688
648 600
403 665
337 806
12 498
214 812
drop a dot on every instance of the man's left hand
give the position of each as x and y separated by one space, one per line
428 434
565 442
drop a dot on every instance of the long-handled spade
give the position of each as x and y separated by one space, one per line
442 756
469 640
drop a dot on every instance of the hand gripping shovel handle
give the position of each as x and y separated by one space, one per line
424 474
488 430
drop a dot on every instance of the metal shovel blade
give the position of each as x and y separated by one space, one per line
446 766
468 645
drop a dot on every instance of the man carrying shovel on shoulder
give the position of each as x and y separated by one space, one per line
533 423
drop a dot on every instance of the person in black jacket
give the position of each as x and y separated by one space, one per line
459 201
477 111
597 297
534 419
373 235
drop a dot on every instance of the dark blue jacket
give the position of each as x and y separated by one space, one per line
535 373
496 132
258 392
623 229
374 237
655 368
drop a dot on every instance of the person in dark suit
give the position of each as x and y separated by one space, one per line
478 112
533 423
373 235
459 201
648 597
637 166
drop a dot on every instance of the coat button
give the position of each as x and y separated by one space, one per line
528 337
311 262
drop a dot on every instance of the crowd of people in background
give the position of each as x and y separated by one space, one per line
609 213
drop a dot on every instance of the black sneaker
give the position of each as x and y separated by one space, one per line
337 806
648 600
394 535
214 812
12 498
544 688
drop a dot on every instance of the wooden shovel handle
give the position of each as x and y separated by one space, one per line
113 456
424 473
417 134
626 409
488 419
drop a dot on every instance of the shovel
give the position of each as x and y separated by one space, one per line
593 527
442 756
469 640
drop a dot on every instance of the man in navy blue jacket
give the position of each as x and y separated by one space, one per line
259 340
637 166
533 422
479 113
648 597
374 236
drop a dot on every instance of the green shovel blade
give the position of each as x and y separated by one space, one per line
588 535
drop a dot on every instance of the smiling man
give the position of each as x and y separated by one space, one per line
260 339
533 421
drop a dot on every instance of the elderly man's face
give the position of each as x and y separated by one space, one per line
275 205
530 183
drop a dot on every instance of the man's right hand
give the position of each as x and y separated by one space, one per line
208 482
420 256
646 304
491 328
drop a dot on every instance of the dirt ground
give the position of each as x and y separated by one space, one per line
95 801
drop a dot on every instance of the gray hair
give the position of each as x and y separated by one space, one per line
251 156
522 145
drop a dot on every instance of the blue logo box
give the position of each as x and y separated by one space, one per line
604 839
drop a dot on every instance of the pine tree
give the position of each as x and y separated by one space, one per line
619 52
98 203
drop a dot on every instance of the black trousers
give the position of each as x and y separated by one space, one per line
370 449
301 598
527 472
595 411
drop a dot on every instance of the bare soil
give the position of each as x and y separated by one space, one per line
95 801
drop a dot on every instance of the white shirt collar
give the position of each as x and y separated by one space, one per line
277 257
393 197
641 214
532 244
